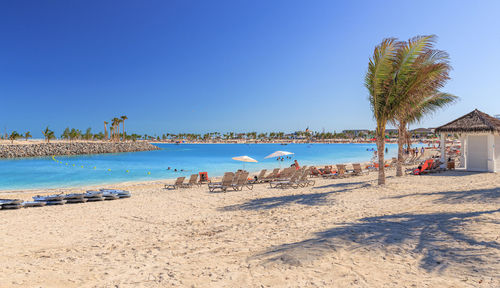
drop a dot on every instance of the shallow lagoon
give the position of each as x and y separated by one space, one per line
82 170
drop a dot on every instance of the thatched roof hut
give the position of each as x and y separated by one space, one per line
475 121
480 139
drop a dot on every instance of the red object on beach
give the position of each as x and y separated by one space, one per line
204 177
426 166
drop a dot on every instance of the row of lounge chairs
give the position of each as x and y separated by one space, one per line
236 181
340 172
193 181
60 199
297 178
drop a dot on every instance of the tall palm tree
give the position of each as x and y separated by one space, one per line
27 135
115 122
427 74
48 134
105 131
124 117
14 136
392 80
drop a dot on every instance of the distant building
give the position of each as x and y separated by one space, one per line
355 133
497 116
422 132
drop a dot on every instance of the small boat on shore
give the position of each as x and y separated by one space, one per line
48 198
93 196
117 192
75 198
11 203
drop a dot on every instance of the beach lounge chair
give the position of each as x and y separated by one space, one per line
273 175
424 168
285 183
260 177
342 171
304 181
177 184
356 167
242 181
315 172
192 181
227 181
436 167
329 172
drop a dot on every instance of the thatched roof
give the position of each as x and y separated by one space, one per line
475 121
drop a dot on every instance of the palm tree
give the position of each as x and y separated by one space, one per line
415 113
48 134
105 131
427 74
115 122
13 136
124 117
393 81
27 135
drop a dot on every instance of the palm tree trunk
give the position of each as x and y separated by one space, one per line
401 140
380 149
123 123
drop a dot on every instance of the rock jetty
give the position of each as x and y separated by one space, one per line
75 148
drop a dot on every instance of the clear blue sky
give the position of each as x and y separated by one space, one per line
199 66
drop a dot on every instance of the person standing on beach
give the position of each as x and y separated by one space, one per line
296 164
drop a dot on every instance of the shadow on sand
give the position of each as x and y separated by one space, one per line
440 238
309 199
457 197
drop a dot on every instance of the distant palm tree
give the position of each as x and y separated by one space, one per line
115 122
124 117
394 80
105 131
48 134
27 135
14 136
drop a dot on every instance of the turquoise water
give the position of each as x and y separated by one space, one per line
44 172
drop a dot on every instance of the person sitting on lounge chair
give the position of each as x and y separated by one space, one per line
315 171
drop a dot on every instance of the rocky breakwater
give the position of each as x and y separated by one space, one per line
75 148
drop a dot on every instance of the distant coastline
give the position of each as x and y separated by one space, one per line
287 141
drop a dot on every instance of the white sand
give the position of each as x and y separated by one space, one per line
441 230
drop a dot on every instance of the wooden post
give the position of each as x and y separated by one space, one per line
443 150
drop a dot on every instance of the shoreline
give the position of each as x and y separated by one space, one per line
167 179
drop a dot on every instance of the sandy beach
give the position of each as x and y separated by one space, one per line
440 230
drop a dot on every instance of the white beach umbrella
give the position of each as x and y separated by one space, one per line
278 154
244 159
